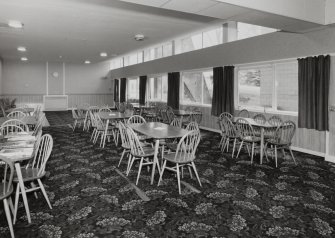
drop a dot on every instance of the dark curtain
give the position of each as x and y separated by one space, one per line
173 90
123 90
313 80
223 90
143 85
116 90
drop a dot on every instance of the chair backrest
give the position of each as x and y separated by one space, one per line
16 114
164 115
244 129
187 147
225 114
275 121
74 114
228 127
7 171
10 129
39 125
136 119
42 155
124 136
18 123
243 113
105 109
3 110
37 112
135 145
285 132
170 114
93 109
99 123
176 122
260 118
196 116
192 126
122 107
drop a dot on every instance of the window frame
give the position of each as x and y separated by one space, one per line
274 100
181 89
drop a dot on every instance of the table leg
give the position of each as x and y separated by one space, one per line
156 163
23 191
105 134
262 145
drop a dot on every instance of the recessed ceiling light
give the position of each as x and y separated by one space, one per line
22 49
103 54
15 24
87 62
139 37
24 59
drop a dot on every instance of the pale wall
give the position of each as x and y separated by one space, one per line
29 81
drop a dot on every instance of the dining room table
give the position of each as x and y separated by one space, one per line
18 148
158 131
108 117
262 127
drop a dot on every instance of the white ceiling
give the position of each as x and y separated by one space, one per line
80 29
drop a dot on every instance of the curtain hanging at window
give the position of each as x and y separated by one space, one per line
173 90
116 90
223 90
123 90
313 80
142 88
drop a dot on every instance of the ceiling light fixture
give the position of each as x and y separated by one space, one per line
15 24
22 49
139 37
24 59
103 54
87 62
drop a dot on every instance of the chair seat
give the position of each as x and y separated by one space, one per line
278 142
251 139
28 175
3 194
181 160
148 151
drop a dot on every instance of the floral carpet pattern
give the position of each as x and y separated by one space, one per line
91 199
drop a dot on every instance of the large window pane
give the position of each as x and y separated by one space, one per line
188 44
133 59
287 86
133 88
167 49
140 57
255 87
126 60
192 86
245 30
157 87
212 37
158 52
149 54
207 87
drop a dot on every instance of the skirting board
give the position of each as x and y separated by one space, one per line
312 152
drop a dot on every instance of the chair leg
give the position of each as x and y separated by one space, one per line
16 204
252 152
11 206
9 219
283 151
44 192
178 178
74 125
196 173
131 164
276 158
123 152
139 170
34 186
129 160
162 171
289 148
232 154
239 150
190 171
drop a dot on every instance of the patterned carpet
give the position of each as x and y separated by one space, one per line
61 118
91 198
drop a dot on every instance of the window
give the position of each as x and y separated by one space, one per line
212 37
167 49
116 63
197 87
271 87
188 44
133 88
157 88
140 57
245 30
149 54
